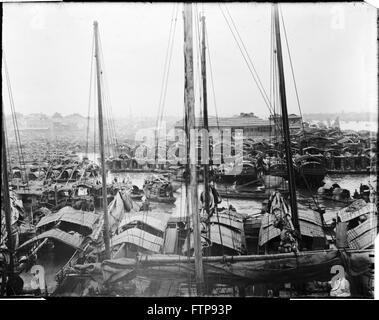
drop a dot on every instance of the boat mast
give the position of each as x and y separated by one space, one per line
205 120
6 198
189 101
287 141
101 139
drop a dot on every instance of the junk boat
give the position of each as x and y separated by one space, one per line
158 189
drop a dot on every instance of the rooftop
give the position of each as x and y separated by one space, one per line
243 120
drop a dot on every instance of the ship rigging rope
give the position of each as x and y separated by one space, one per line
109 118
94 120
14 119
90 92
271 65
247 53
105 112
198 77
6 138
212 81
167 64
246 57
292 70
110 126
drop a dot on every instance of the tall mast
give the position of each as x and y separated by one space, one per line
7 203
101 138
205 119
189 101
287 141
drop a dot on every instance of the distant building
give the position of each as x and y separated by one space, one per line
253 127
64 127
294 121
37 121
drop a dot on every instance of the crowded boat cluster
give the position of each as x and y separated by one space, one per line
317 152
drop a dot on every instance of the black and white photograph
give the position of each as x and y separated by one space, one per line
169 149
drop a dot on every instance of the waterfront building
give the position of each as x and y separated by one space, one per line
252 126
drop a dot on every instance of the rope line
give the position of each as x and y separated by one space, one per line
90 92
166 62
292 70
15 122
261 90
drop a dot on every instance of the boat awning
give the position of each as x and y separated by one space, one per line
356 209
310 225
48 219
363 236
228 237
71 215
83 185
312 148
139 238
171 238
308 158
82 218
71 239
229 220
146 218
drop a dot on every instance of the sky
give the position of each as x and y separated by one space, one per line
48 50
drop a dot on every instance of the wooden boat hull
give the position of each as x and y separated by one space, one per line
243 178
331 198
170 200
136 197
250 269
313 172
244 195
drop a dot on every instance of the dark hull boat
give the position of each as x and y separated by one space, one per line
233 194
256 193
278 170
242 178
239 173
309 171
256 189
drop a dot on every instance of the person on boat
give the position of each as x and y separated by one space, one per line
356 194
91 205
145 205
362 218
340 287
14 285
260 166
282 221
169 190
